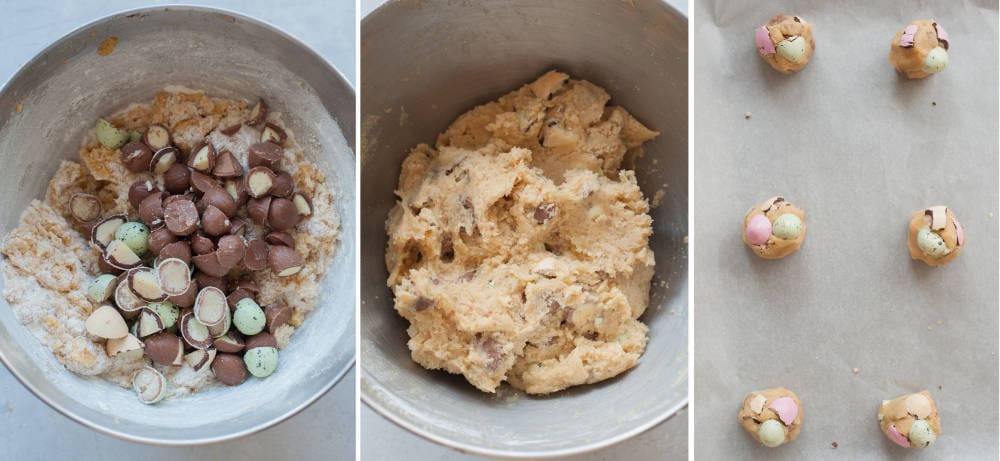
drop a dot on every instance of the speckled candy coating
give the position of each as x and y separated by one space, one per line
774 228
911 420
772 416
935 236
785 43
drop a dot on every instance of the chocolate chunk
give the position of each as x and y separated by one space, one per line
231 130
165 348
236 296
163 159
107 268
160 238
276 315
177 179
259 181
258 114
238 227
174 276
156 137
230 343
176 198
204 280
136 156
151 209
273 133
219 198
202 157
244 283
214 221
179 249
267 154
181 217
227 166
231 250
283 215
104 231
284 185
202 182
201 244
284 261
119 255
209 264
144 283
302 203
280 238
545 212
140 190
194 332
492 349
422 304
85 208
257 210
255 258
234 186
229 369
262 339
186 299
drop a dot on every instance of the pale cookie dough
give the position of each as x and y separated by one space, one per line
519 248
934 236
774 229
772 416
910 421
785 43
920 49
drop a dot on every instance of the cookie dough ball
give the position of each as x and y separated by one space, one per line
772 416
774 229
911 421
785 42
935 236
920 49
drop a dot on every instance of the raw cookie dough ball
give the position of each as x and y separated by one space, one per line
772 416
774 229
785 42
911 421
920 49
935 236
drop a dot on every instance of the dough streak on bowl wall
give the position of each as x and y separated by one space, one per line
519 247
48 260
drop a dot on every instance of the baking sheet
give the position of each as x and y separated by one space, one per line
858 148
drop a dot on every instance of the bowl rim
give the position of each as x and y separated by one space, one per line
123 435
366 382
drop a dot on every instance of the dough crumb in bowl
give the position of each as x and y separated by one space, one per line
519 247
49 258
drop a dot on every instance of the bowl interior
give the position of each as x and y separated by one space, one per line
63 90
423 64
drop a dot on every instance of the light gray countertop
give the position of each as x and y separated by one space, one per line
31 430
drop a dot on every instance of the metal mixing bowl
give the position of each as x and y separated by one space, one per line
425 63
45 110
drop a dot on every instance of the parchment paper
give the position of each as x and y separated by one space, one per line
859 149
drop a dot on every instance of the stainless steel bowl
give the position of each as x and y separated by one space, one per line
45 110
423 64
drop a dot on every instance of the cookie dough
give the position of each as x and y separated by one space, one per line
910 421
519 247
772 416
785 42
774 229
935 236
920 49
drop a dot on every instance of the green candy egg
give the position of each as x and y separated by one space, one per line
102 287
788 226
109 136
168 312
921 434
930 242
792 49
936 61
261 361
135 235
249 317
771 433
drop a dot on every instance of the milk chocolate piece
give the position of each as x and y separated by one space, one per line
276 315
284 185
236 296
177 179
120 256
273 133
231 130
151 209
106 268
181 217
238 227
126 300
302 203
160 238
229 369
194 332
202 182
156 137
165 348
255 258
227 166
280 238
267 154
205 280
257 210
209 264
179 250
262 339
186 299
231 250
198 358
104 232
148 323
210 307
259 181
85 208
143 282
200 244
214 222
105 322
283 215
244 283
231 342
258 114
234 186
163 159
202 157
136 156
174 276
284 261
140 190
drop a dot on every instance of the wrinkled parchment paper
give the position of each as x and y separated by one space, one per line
850 319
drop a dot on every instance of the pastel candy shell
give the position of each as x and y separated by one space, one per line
764 44
786 409
895 436
758 230
941 33
792 49
757 403
771 433
959 232
918 405
921 434
935 61
906 40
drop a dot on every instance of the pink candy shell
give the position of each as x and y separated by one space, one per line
758 230
942 35
895 436
764 44
786 409
906 40
959 232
